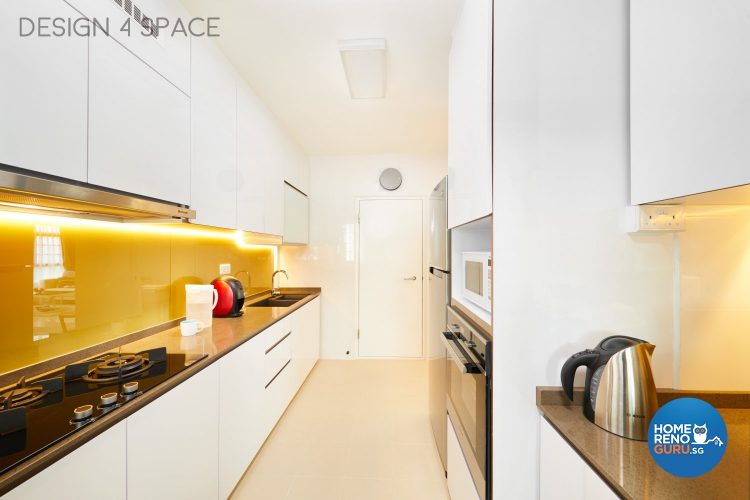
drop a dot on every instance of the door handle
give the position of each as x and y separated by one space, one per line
413 278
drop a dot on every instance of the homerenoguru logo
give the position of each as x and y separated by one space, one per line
687 437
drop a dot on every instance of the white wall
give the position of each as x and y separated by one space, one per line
715 299
329 260
566 275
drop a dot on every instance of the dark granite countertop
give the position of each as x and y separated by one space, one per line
626 465
225 335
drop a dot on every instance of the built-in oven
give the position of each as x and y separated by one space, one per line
469 391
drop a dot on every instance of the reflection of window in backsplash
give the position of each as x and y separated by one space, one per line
69 284
48 255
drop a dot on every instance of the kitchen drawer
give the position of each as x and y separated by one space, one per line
279 391
277 355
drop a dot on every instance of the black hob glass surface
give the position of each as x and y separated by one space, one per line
30 424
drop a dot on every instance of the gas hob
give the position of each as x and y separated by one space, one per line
37 413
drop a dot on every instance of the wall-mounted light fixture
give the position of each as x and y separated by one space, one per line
364 65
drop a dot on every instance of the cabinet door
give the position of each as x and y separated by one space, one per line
173 443
43 92
296 216
306 327
168 52
214 138
470 115
594 488
241 416
252 178
280 381
460 483
689 106
560 467
563 475
139 126
264 155
73 474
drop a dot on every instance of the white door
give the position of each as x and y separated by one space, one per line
390 278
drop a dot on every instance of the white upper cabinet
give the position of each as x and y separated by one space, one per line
296 216
690 111
470 115
262 156
173 442
214 137
139 126
168 52
43 93
253 180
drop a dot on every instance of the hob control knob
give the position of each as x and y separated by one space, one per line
108 399
83 412
130 388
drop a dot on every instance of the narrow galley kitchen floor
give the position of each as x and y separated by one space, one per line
357 430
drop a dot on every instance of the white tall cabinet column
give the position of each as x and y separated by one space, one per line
470 115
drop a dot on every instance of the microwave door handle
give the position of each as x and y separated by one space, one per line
454 352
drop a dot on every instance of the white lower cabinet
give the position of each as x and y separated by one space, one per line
72 475
197 440
279 381
563 475
306 328
173 443
241 404
460 484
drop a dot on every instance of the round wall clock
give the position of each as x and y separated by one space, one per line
391 179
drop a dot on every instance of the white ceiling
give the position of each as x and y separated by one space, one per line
287 51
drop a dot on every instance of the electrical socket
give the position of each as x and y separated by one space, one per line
649 218
225 269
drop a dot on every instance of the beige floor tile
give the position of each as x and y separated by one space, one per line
314 488
419 489
366 488
263 486
357 430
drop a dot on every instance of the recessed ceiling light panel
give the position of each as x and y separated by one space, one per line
364 65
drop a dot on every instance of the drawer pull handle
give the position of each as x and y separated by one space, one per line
278 342
277 374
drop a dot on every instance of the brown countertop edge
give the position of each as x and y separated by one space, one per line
44 459
549 397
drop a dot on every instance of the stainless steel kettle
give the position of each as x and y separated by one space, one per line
619 395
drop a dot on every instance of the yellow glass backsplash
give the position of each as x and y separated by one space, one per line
69 284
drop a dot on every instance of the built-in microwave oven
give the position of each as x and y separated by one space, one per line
477 278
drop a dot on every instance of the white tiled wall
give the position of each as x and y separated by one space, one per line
329 261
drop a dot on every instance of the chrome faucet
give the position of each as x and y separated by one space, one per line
274 290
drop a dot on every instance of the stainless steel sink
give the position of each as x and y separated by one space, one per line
284 300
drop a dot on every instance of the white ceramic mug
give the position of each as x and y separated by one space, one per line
190 327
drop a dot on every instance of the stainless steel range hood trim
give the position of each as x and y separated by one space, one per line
47 194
